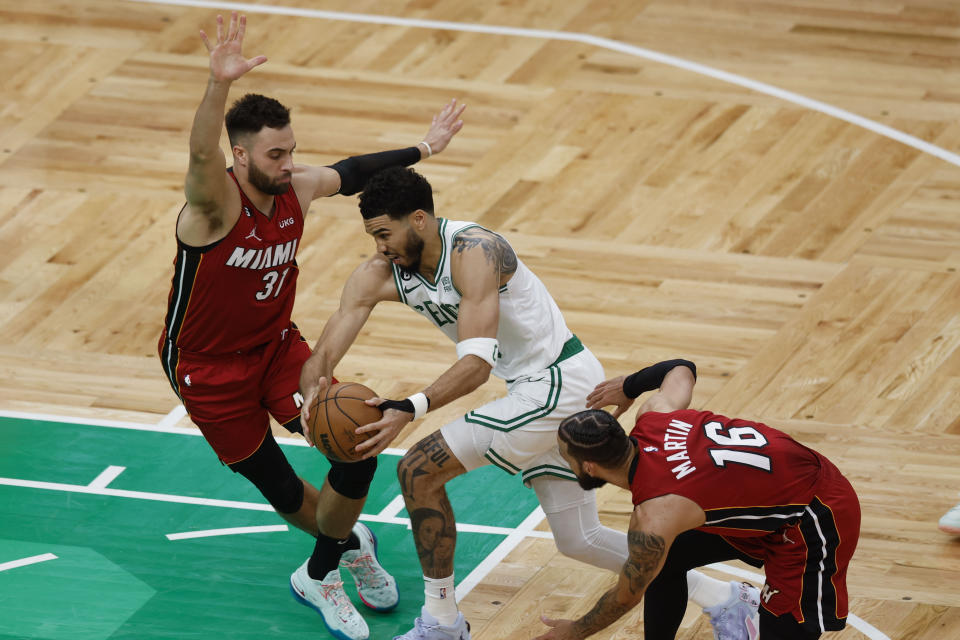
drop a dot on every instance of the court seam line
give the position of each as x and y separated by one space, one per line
585 38
159 427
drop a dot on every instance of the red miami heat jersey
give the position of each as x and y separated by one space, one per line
749 478
237 293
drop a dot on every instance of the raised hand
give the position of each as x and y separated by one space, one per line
445 125
226 59
610 392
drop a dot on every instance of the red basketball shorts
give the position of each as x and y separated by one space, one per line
806 563
230 397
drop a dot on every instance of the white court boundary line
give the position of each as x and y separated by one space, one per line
585 38
23 562
231 531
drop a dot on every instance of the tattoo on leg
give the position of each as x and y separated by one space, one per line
429 451
435 535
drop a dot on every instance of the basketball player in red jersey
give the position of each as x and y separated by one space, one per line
229 348
708 488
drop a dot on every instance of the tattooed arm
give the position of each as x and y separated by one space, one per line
653 527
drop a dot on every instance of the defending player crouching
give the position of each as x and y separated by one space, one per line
708 488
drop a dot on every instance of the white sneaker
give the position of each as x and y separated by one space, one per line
738 617
328 599
950 522
427 627
377 588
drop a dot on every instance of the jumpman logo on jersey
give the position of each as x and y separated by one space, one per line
253 234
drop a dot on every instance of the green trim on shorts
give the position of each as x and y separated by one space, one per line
548 470
553 398
501 462
570 348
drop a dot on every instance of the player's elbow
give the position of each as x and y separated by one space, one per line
480 371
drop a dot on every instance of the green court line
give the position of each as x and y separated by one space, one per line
117 575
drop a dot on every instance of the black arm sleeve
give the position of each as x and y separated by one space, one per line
651 377
356 170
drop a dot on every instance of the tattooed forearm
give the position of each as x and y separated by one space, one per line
498 252
604 613
646 553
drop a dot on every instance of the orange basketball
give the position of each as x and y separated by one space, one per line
335 416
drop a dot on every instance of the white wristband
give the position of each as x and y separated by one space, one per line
427 145
420 404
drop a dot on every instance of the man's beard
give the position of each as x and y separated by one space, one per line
589 482
263 182
413 250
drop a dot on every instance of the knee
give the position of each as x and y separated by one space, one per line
573 546
352 479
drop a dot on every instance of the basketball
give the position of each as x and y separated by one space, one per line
335 416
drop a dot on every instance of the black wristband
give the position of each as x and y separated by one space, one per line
651 377
405 405
356 170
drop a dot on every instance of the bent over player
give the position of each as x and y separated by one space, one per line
469 283
229 348
708 488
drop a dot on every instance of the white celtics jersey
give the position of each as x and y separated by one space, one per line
532 330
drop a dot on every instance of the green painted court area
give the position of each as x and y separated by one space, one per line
117 575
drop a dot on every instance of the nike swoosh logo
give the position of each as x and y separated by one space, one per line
405 290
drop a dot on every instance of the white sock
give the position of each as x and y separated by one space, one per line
706 591
440 600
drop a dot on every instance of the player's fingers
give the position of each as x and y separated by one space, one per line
242 28
206 41
375 402
256 62
232 31
219 28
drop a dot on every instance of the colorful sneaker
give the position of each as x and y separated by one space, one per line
737 618
377 588
427 627
950 522
328 599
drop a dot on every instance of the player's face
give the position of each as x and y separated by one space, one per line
270 160
396 241
586 482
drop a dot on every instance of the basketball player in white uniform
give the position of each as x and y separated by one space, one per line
468 281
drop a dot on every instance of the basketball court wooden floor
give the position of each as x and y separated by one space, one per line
807 263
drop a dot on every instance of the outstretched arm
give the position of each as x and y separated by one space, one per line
370 283
206 182
653 527
348 176
674 378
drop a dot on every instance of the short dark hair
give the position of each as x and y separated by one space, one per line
595 436
253 112
396 192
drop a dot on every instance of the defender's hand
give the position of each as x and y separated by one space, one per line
610 392
226 59
445 125
562 630
312 386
